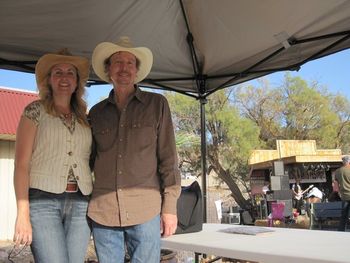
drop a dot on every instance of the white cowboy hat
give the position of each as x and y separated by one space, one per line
47 61
106 49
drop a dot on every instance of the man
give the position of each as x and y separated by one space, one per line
137 181
297 195
342 177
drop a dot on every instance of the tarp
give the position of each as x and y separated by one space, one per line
199 46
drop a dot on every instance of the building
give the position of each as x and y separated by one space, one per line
12 103
300 158
293 159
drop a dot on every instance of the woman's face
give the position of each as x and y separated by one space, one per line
63 79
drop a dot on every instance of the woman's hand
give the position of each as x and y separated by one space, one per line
23 230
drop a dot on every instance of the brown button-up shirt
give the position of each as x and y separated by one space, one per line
135 165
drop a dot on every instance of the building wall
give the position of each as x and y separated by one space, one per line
7 194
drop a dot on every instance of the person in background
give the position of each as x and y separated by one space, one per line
266 187
315 195
137 180
342 178
52 176
297 195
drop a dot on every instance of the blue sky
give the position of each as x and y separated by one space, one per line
332 71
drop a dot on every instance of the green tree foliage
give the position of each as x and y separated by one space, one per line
244 118
262 106
296 110
341 106
230 138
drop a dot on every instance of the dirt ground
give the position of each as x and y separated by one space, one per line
25 256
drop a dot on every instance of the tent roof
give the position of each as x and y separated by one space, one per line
233 41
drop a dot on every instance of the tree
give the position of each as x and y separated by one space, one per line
341 106
244 118
230 138
296 110
262 106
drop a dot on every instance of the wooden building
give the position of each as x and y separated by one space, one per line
295 159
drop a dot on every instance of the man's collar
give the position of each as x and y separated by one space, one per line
139 94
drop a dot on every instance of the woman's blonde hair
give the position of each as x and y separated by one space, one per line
77 102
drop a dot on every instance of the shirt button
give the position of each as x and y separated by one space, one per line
120 172
119 155
70 153
121 125
120 139
75 165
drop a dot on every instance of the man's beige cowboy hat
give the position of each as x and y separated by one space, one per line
47 61
106 49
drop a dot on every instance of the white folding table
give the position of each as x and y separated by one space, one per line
281 245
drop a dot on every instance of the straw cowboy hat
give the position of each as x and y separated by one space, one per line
106 49
47 61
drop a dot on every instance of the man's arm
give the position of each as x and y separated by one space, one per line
168 170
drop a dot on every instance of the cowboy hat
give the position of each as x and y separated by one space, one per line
106 49
47 61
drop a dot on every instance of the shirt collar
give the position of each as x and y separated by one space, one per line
139 95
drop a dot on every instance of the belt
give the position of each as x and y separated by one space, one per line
72 187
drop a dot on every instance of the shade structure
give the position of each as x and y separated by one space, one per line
199 46
212 43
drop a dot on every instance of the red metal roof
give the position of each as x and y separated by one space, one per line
12 103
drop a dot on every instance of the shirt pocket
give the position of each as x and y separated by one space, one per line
105 138
142 134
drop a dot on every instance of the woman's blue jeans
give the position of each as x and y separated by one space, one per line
60 228
141 241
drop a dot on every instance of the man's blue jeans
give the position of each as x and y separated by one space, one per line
344 215
141 241
60 228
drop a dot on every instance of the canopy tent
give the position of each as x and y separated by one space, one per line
199 46
219 43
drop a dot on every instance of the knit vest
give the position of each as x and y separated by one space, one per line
55 150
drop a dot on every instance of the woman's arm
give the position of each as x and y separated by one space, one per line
25 137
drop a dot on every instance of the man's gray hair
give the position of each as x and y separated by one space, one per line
346 159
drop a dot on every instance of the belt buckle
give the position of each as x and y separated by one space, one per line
72 187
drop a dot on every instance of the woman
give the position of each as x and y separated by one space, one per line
52 176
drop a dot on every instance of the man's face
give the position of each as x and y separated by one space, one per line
122 69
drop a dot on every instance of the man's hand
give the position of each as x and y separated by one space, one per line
168 224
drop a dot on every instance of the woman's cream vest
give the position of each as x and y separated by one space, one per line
55 150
